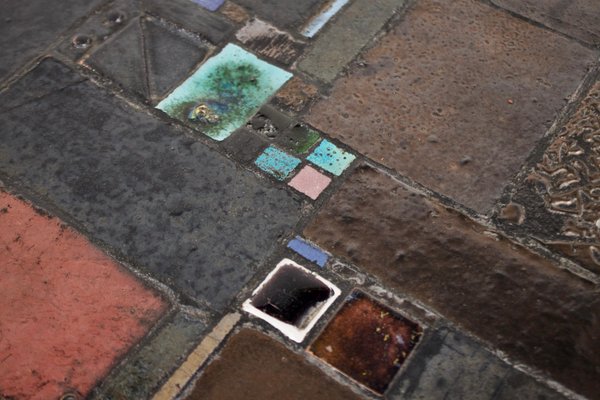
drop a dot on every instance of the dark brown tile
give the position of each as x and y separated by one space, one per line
367 341
577 18
296 94
254 366
560 196
519 302
455 96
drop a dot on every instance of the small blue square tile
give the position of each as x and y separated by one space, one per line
277 162
331 158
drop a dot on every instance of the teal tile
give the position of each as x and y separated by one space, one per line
224 92
331 158
277 163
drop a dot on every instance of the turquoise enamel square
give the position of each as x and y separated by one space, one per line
224 92
277 163
331 158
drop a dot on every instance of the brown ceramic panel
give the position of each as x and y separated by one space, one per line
367 341
455 97
521 303
254 366
576 18
561 195
296 94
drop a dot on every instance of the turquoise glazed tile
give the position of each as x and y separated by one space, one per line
331 158
276 162
224 92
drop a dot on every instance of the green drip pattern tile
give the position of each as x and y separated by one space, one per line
224 92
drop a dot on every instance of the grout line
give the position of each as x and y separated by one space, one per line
194 361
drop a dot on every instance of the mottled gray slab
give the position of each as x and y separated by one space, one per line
192 17
148 368
164 201
25 31
451 366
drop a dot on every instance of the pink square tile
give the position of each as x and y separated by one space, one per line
310 182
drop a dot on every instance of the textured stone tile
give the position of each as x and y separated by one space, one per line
309 251
519 386
284 14
98 27
478 281
367 341
234 12
211 26
331 158
143 372
299 138
457 109
277 163
292 299
147 58
296 95
224 92
577 18
560 198
269 41
340 43
244 145
451 366
197 357
25 31
58 295
310 182
269 122
264 369
133 183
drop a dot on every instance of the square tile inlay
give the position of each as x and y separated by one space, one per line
331 158
224 92
367 341
310 182
292 299
277 162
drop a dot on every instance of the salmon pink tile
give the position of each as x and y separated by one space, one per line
310 182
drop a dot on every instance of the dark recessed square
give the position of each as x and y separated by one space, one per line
367 341
292 299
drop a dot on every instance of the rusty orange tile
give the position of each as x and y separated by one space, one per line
68 312
367 341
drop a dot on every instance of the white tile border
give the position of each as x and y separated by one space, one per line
294 333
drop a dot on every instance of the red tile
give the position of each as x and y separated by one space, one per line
68 312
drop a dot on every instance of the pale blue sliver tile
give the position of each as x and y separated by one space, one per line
211 5
321 19
277 163
331 158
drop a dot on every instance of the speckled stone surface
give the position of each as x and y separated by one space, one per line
455 97
480 282
577 18
134 183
